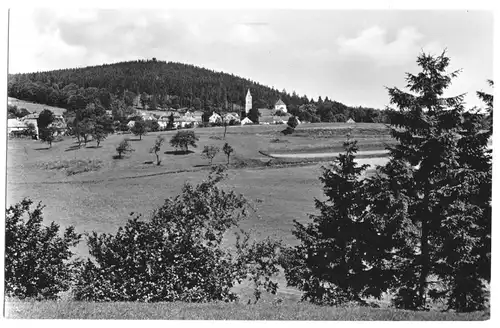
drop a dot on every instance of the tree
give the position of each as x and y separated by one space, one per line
228 150
184 139
37 259
102 127
429 203
170 124
292 122
85 128
45 118
139 128
153 126
177 254
329 264
209 152
123 148
157 147
47 135
31 130
254 114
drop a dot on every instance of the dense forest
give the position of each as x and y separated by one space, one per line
159 85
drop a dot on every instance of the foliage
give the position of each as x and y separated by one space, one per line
184 139
73 166
17 112
177 255
45 118
330 264
209 152
47 135
157 147
228 150
36 257
101 129
153 126
254 114
431 203
292 122
123 148
139 128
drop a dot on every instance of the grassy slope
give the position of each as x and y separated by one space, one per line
219 311
34 107
102 201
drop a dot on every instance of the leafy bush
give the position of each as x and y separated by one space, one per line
124 147
36 257
177 255
209 152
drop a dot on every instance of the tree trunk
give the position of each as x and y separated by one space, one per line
227 159
424 248
225 129
157 159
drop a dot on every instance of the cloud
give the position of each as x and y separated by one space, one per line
372 43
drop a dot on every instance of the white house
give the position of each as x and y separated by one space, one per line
245 121
13 124
280 105
350 121
230 117
131 124
215 118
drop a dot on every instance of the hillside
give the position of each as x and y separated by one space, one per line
160 84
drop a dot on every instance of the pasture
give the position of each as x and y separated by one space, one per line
103 198
35 107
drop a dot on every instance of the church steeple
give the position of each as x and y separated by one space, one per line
248 103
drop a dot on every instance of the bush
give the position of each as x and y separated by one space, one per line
177 255
123 147
74 166
36 257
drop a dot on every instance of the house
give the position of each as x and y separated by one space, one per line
280 105
350 121
231 117
13 124
245 121
131 124
215 118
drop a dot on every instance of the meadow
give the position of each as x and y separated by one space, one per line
103 198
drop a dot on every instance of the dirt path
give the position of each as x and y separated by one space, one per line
334 154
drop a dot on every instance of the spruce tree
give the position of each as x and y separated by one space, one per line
430 203
330 265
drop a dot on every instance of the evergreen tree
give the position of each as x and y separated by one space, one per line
329 265
429 204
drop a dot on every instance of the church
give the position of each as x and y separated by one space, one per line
280 105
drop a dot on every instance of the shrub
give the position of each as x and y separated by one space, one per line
177 255
209 152
74 166
124 147
36 257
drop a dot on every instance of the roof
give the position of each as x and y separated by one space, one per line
31 116
248 92
280 102
246 120
350 121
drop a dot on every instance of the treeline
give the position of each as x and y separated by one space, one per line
156 84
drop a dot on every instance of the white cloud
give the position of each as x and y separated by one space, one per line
372 43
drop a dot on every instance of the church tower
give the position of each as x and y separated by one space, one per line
248 104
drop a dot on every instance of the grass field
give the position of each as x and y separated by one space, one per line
222 311
34 107
101 198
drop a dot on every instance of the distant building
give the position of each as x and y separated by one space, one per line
215 118
13 124
231 117
245 121
350 121
280 105
248 103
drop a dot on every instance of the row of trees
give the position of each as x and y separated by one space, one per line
419 229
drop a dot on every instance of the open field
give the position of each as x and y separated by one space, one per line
102 198
221 311
34 107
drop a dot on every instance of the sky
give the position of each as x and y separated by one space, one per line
347 55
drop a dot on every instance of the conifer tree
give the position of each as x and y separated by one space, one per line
429 204
330 264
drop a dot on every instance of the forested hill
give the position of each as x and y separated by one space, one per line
158 84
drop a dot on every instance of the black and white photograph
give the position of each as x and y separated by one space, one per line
248 163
